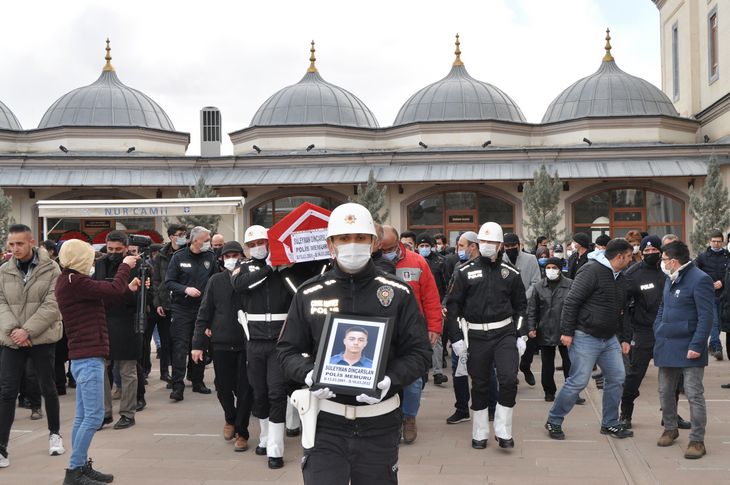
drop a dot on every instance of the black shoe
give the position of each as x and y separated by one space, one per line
176 395
439 379
625 421
77 477
24 403
124 423
107 420
96 474
166 378
275 463
725 386
61 391
617 431
580 401
506 443
458 417
169 385
71 383
260 450
478 444
200 388
549 397
717 354
682 424
555 431
529 377
291 433
141 404
599 383
559 368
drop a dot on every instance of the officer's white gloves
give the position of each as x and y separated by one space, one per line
319 393
521 346
458 347
383 385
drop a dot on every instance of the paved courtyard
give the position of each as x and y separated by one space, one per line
180 443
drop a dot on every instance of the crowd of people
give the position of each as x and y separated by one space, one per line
607 307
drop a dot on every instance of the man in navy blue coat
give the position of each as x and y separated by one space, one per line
681 328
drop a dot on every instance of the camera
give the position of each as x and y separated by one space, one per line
142 242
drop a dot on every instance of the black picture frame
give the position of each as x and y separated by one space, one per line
349 379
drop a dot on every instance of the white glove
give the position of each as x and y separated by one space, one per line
318 393
383 385
458 347
521 346
309 379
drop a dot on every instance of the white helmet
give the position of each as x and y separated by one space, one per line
254 233
350 218
491 231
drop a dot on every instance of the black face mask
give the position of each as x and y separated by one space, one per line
114 258
512 254
217 252
653 259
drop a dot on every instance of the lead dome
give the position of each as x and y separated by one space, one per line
8 121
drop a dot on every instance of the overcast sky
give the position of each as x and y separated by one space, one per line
235 54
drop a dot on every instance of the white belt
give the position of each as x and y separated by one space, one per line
490 326
266 317
365 411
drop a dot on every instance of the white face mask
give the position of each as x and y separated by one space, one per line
668 272
230 263
573 246
636 249
440 247
352 257
92 271
569 253
488 250
552 274
205 247
558 255
259 252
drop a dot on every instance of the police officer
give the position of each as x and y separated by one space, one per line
356 436
488 295
267 293
186 278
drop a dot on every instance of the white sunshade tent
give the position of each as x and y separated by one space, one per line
143 208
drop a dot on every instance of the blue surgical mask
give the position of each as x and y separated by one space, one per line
390 256
462 255
425 252
542 261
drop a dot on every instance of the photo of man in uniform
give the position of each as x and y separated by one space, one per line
355 341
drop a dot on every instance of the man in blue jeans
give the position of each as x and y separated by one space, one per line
591 321
714 262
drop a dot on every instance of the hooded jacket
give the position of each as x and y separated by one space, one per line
412 268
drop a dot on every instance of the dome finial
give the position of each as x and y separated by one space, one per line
108 57
608 57
457 61
312 60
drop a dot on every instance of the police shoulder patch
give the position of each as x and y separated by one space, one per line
385 295
312 289
236 271
466 266
510 268
206 264
392 283
505 273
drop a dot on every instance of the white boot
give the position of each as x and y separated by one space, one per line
275 445
503 426
292 416
480 425
264 435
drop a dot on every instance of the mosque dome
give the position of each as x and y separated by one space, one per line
459 97
8 121
314 101
106 102
609 92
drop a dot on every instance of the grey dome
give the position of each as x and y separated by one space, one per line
459 96
609 92
8 121
314 101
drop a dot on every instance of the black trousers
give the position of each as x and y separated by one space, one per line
639 360
547 379
182 325
498 349
342 455
29 387
527 358
60 363
11 371
267 380
163 329
461 386
232 387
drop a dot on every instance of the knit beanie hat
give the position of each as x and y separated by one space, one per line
77 255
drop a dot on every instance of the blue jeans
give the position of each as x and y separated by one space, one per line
412 398
89 375
715 343
585 352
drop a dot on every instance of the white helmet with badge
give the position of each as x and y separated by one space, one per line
350 218
491 231
254 233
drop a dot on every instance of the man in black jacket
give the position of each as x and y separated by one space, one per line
591 320
218 318
356 436
581 247
186 278
267 293
714 263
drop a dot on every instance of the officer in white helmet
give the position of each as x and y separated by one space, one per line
267 293
485 306
354 438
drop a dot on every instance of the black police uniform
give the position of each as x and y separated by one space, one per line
486 291
267 295
186 269
644 290
362 450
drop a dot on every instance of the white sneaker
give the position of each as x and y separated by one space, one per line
55 445
4 462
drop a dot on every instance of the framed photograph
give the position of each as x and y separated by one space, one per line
352 354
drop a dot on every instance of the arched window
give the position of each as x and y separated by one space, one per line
616 212
455 212
273 210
